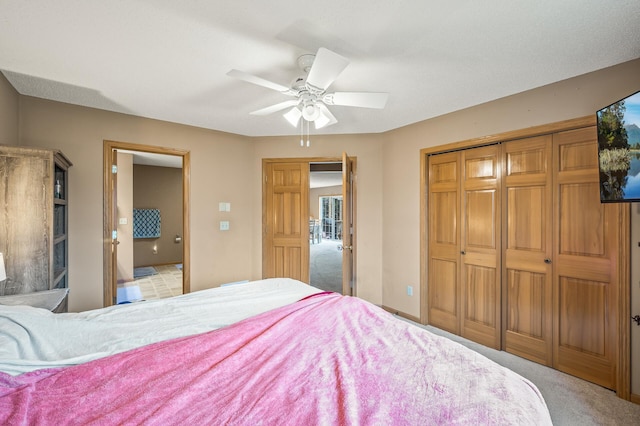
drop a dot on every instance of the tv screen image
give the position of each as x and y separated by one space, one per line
619 150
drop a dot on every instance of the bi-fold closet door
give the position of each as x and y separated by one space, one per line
561 278
464 243
522 255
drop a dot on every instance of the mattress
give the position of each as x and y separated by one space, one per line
33 338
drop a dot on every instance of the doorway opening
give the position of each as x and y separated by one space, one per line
325 226
146 202
290 214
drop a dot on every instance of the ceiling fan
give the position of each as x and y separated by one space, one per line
310 90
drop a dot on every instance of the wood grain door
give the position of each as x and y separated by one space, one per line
26 216
443 275
528 249
348 226
585 273
286 215
480 246
113 177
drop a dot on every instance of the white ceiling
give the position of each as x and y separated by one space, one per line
168 60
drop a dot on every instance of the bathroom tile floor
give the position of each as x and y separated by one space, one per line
166 283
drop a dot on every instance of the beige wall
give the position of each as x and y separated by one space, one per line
124 200
159 188
9 99
221 170
227 168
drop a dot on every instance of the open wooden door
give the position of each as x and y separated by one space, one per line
285 248
348 225
110 227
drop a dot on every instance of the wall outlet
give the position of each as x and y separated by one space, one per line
409 290
224 225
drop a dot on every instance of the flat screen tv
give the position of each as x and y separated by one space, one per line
619 150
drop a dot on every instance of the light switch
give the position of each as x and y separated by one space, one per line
224 225
224 207
123 221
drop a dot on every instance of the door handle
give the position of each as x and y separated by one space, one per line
340 248
547 260
463 252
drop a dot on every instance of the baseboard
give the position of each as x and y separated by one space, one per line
635 398
401 314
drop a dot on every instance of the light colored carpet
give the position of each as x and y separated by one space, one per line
325 265
571 401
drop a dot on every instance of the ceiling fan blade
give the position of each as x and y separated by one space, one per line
326 118
357 99
250 78
326 67
275 108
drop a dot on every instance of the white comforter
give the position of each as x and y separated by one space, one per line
33 338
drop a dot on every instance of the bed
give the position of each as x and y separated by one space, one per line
265 352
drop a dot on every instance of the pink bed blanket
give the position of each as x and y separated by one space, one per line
327 359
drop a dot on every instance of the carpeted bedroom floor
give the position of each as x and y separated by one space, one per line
325 265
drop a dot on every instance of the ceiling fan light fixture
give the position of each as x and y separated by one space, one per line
321 121
293 116
310 111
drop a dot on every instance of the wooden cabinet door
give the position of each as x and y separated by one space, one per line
286 227
528 249
480 246
444 242
585 263
26 215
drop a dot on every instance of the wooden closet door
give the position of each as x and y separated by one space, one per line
585 270
528 249
444 241
480 246
286 215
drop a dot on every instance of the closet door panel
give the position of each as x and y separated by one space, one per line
444 242
528 249
480 246
585 273
443 301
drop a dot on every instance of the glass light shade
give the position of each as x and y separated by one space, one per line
321 121
310 112
293 116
